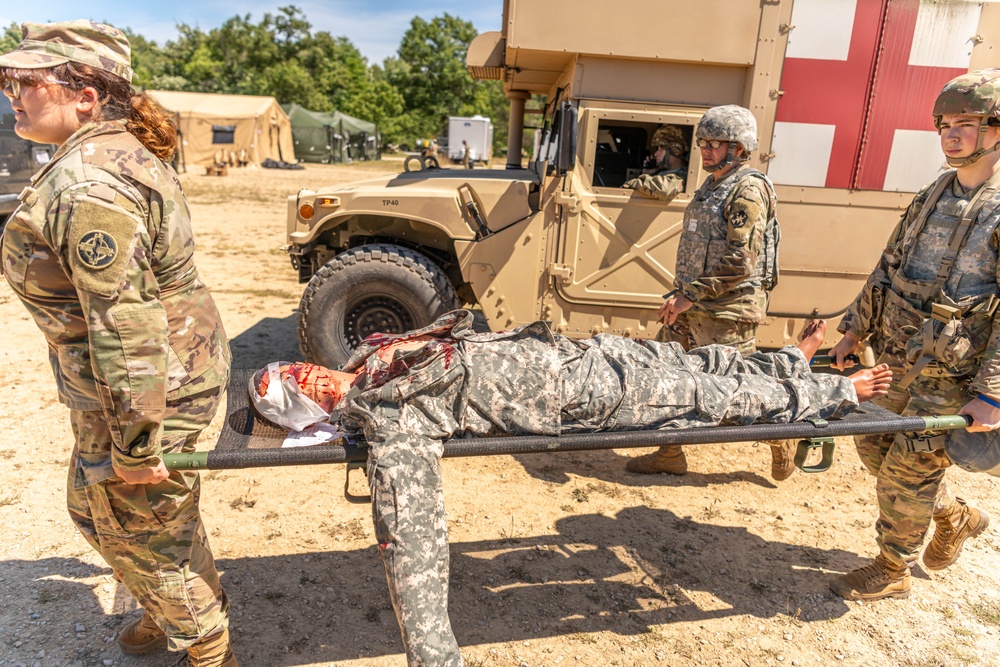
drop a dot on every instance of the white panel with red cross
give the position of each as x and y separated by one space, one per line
859 82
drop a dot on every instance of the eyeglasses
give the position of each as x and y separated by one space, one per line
710 143
14 86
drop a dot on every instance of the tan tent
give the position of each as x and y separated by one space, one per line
228 123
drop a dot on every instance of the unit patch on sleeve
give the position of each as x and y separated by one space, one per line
97 249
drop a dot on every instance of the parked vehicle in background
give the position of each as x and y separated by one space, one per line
477 131
19 159
842 93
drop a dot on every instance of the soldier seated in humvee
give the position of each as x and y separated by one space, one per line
408 393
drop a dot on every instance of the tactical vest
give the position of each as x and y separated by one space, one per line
939 305
703 241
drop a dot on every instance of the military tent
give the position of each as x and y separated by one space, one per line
250 127
331 137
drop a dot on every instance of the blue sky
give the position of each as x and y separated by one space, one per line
374 26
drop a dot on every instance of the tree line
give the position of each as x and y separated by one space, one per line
410 95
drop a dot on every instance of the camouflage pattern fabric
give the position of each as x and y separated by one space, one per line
719 258
100 251
664 185
102 255
531 381
152 535
45 45
974 94
890 310
672 138
730 123
692 330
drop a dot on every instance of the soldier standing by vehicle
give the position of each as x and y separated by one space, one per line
100 251
727 261
928 310
668 174
467 155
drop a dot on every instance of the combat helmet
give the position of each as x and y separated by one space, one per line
731 123
973 94
672 138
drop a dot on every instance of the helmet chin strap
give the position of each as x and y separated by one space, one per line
979 153
730 159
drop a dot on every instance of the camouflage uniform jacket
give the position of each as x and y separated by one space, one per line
100 251
889 309
720 265
664 185
531 381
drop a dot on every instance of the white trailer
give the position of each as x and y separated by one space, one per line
477 131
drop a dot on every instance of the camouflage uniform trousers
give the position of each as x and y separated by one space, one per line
693 330
152 535
909 486
404 473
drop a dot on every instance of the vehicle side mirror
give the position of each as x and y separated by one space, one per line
566 158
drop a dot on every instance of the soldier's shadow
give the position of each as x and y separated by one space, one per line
270 339
609 466
639 571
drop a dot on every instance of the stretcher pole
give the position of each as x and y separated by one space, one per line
817 430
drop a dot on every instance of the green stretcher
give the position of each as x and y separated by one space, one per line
247 443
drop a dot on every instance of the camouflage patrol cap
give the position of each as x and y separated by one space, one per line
974 94
730 123
671 138
45 45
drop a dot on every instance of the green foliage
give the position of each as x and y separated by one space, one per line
410 96
10 38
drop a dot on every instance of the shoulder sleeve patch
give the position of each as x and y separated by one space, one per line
743 218
100 241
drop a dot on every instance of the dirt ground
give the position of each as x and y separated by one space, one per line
560 559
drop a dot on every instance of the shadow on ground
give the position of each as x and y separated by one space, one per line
271 339
622 574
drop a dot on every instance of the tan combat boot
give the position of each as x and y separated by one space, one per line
141 636
875 581
954 527
212 651
782 459
669 459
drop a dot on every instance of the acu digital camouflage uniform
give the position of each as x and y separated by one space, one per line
101 253
531 381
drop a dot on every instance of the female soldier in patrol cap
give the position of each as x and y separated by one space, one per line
928 311
101 253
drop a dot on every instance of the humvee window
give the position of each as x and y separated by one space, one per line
623 150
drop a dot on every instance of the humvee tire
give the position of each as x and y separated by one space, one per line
368 289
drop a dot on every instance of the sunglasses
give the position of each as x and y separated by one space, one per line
710 143
12 87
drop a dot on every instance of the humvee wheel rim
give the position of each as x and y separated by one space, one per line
375 315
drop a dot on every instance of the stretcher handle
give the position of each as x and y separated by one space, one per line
826 361
828 445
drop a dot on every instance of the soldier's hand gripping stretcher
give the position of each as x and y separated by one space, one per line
982 409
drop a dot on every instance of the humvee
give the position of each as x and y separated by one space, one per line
19 159
842 94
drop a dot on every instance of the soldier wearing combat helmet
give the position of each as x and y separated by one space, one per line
100 251
665 178
726 261
928 310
